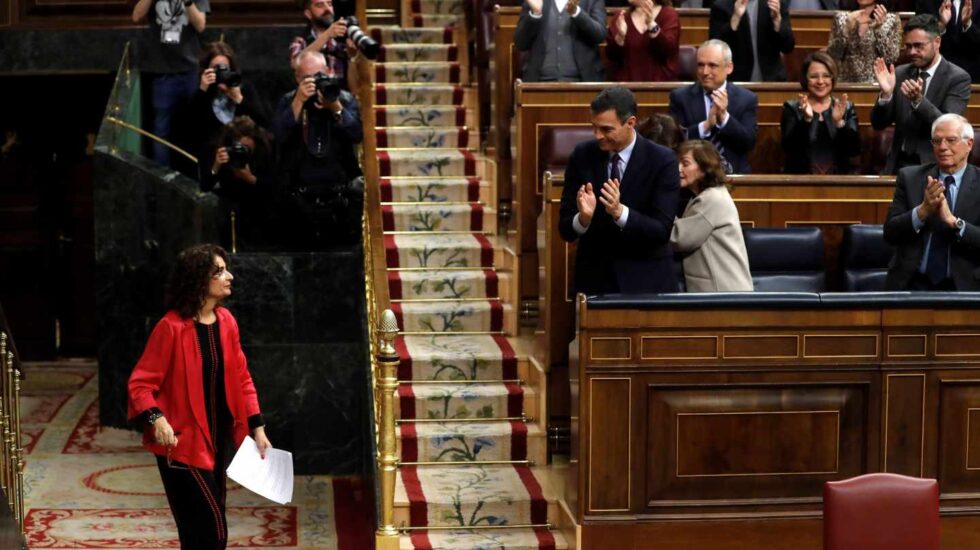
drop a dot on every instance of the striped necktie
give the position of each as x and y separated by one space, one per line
714 137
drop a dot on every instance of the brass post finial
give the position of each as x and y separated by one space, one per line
388 331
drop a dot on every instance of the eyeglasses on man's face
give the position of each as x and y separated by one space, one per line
949 141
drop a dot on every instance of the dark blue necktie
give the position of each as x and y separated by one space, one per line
937 264
614 168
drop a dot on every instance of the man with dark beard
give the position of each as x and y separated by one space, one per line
324 33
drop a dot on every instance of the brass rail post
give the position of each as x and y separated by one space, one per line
386 537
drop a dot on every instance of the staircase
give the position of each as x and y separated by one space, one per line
471 410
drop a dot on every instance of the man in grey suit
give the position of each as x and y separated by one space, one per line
561 38
934 218
914 95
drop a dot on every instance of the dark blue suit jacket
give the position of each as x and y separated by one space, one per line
636 258
738 135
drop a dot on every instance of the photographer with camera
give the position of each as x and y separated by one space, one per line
221 96
317 127
241 174
338 38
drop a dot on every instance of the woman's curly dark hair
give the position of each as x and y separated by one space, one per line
708 159
189 280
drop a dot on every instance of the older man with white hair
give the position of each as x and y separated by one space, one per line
934 218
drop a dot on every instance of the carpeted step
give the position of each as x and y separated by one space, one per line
456 284
423 73
484 539
438 251
418 94
450 316
455 7
430 115
427 163
460 401
435 190
416 35
438 217
463 441
413 53
435 137
437 20
450 357
468 496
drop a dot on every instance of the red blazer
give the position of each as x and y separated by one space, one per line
168 376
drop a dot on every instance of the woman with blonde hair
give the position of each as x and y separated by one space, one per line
709 235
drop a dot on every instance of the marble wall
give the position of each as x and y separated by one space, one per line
302 315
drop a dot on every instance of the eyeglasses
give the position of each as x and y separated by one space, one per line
949 141
220 272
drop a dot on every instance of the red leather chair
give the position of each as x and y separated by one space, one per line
881 512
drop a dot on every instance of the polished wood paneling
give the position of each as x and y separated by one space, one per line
958 345
609 457
840 346
903 346
672 348
611 347
959 446
904 428
761 346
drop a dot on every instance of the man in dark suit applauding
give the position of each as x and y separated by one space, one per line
619 202
757 31
914 95
934 218
717 110
958 21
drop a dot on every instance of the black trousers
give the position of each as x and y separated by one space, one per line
197 501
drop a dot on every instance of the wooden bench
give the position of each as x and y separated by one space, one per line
699 425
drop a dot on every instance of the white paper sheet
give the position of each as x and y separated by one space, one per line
271 478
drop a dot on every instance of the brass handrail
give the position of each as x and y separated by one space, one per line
11 448
150 135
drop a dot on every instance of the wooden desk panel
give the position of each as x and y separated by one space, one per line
741 445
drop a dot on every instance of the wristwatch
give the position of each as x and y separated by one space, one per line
153 417
960 224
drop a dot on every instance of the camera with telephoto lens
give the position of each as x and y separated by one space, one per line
368 46
224 75
238 155
328 86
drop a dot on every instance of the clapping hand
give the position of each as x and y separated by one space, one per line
610 198
585 200
838 110
885 74
571 7
535 6
878 15
934 196
738 10
806 108
774 13
719 106
966 13
945 13
620 26
912 89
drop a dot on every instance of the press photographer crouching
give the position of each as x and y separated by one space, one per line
241 174
317 127
222 95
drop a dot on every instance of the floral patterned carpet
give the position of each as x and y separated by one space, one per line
93 487
469 407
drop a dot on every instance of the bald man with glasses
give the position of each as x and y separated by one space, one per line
934 218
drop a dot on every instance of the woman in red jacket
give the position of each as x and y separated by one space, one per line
643 42
192 391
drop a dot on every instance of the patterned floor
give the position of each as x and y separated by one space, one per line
93 487
469 407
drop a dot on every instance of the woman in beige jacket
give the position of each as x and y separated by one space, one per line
709 234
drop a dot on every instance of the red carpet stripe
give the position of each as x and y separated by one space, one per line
473 185
515 399
508 357
387 218
382 138
416 6
418 511
496 316
457 95
447 35
518 440
486 250
492 283
391 252
476 217
354 513
399 316
453 53
420 540
463 139
469 160
546 540
380 116
461 116
410 443
394 286
387 190
405 366
380 94
406 397
454 75
384 163
539 506
379 76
